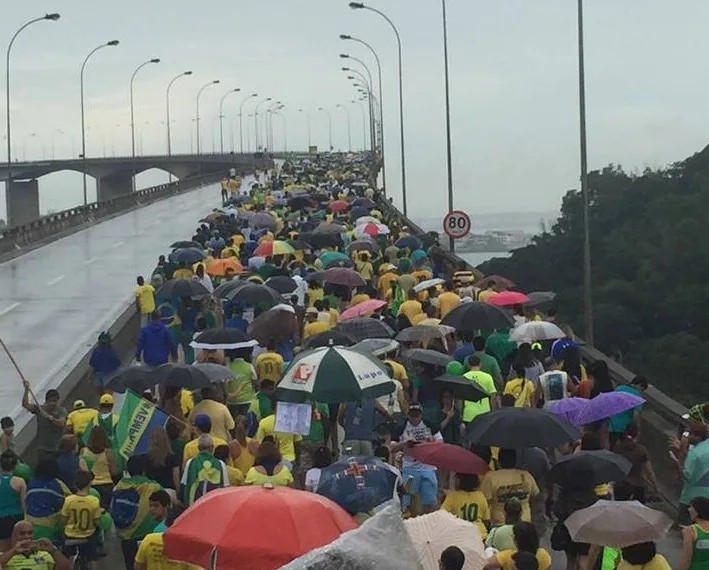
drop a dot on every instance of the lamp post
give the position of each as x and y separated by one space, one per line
364 122
8 134
285 130
587 293
364 83
221 117
329 122
361 6
267 131
132 113
167 109
307 118
256 133
199 94
83 124
449 157
241 126
349 126
381 101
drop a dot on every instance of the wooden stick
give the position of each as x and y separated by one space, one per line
19 371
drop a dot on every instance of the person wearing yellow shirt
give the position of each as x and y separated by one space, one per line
269 364
183 272
315 293
522 389
203 423
364 267
270 467
385 279
144 299
399 371
236 477
81 513
487 293
526 540
467 502
80 417
313 326
418 318
150 555
507 482
411 307
286 442
360 297
334 313
448 300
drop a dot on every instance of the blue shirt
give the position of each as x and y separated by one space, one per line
463 352
621 421
160 527
237 322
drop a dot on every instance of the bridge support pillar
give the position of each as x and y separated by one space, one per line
113 185
21 201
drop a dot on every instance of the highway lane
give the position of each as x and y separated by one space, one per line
55 300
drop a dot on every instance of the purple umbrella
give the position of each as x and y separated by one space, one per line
568 408
606 405
344 276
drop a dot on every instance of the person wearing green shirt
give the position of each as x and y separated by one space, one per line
318 436
261 406
498 344
488 363
473 409
241 389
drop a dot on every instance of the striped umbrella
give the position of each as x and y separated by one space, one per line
275 247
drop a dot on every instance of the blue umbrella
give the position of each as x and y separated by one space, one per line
358 484
409 242
418 254
187 255
358 212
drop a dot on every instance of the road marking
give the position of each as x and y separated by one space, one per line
6 310
89 261
117 244
56 280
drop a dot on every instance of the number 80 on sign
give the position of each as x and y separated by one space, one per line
457 224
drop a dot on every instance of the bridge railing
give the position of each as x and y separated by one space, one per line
20 237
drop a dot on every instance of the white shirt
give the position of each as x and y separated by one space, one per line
206 281
420 432
554 385
391 401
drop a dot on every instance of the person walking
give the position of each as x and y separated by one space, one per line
144 300
12 498
695 549
155 343
104 361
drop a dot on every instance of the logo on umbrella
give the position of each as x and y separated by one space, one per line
304 372
357 471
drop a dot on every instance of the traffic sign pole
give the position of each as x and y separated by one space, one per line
456 224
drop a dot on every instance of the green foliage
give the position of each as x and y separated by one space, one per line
649 251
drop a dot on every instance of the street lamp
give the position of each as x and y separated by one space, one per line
364 82
256 133
53 18
449 157
221 117
269 125
241 126
349 126
346 37
112 43
132 113
364 122
199 94
361 6
587 293
167 118
307 116
285 130
329 119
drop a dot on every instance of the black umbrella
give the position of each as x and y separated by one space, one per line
282 283
224 339
343 263
521 427
476 316
363 203
187 255
217 373
227 286
253 293
332 337
427 356
358 212
129 378
461 387
300 202
365 327
299 244
318 276
179 375
184 244
182 288
594 467
537 298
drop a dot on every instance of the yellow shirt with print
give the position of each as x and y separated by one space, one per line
146 298
471 506
150 555
186 402
81 513
77 420
314 328
315 295
286 441
268 366
40 560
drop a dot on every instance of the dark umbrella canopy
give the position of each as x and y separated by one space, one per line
332 337
362 244
261 220
363 203
358 212
460 387
179 375
427 356
277 324
300 202
409 242
471 317
186 244
182 288
253 293
227 286
521 427
282 283
129 378
344 276
593 467
365 327
497 280
222 339
187 255
217 373
537 298
326 228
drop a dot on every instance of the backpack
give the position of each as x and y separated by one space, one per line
124 506
44 500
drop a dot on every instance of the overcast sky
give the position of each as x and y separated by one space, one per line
513 83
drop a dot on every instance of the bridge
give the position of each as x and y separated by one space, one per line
114 176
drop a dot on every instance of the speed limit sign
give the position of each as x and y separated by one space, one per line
456 224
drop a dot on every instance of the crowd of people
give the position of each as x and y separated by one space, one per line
270 250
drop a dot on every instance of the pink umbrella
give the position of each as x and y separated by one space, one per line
361 309
508 298
448 456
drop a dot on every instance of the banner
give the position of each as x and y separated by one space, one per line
138 419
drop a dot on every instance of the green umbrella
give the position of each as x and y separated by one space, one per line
334 374
330 256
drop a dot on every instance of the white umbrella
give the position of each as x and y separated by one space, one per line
633 523
428 284
367 220
433 533
536 330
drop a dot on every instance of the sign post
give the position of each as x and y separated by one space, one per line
456 224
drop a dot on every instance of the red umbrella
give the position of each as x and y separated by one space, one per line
508 298
448 456
339 206
344 276
361 309
224 529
